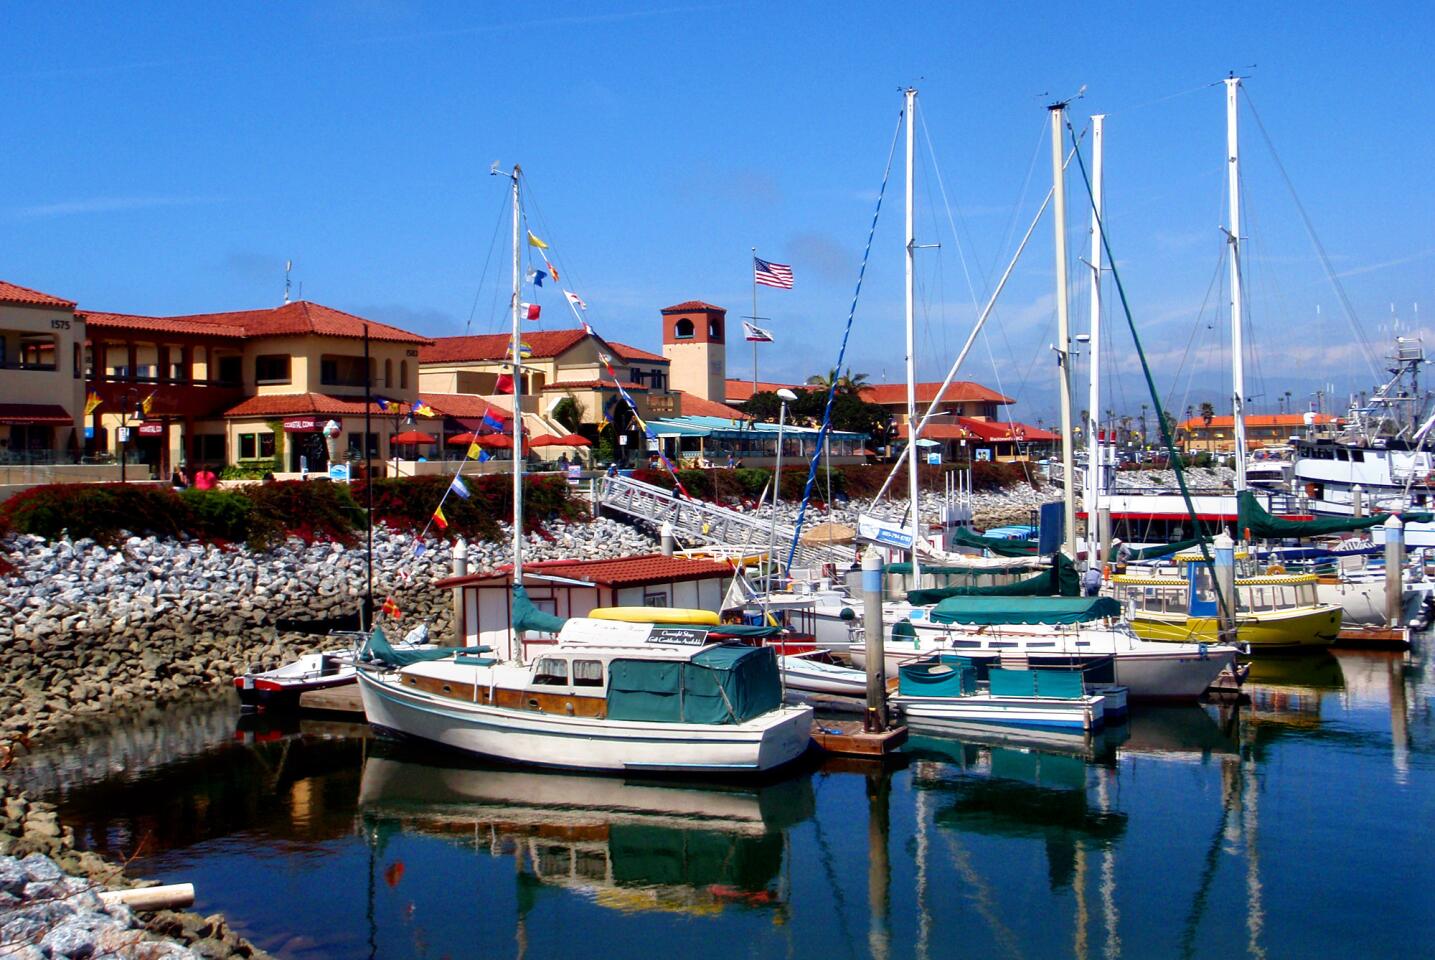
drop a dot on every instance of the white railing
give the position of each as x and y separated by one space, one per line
700 522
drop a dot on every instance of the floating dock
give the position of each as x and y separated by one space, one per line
335 702
1373 638
848 739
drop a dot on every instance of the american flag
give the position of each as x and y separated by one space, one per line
771 274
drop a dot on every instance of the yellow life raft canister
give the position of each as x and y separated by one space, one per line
673 615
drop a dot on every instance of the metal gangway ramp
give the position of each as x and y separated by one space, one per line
700 522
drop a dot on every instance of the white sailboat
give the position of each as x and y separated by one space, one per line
610 695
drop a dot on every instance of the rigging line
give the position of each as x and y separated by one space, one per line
1195 331
1225 604
932 408
478 291
947 205
1170 96
1330 273
842 350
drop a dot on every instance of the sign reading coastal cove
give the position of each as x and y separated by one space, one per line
302 425
151 429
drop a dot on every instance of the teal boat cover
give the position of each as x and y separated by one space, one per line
378 649
954 570
1000 610
527 616
1058 580
949 677
1155 551
1254 521
728 683
1057 684
997 545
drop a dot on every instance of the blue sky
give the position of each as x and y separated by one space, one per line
169 158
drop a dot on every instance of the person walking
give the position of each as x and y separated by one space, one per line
204 478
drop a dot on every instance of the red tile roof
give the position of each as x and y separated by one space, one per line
27 413
889 394
695 406
627 572
633 353
465 405
494 346
126 322
740 391
591 385
14 293
688 306
968 428
1295 420
300 317
289 404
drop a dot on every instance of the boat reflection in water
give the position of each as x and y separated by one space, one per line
624 845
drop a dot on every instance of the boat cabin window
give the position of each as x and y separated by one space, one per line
1357 455
1306 592
1205 585
587 673
551 671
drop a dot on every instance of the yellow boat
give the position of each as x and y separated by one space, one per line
1273 612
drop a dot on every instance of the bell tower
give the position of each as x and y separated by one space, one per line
695 343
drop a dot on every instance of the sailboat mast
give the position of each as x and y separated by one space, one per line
517 361
1063 327
912 486
1238 357
1091 494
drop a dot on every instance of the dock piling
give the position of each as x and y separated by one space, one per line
1394 564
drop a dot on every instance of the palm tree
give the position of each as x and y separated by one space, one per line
848 383
1208 412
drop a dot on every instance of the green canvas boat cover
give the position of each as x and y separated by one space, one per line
1158 550
729 683
997 545
527 616
937 679
1058 580
1000 610
1253 518
377 648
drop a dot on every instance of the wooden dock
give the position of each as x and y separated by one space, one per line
335 701
848 739
1373 638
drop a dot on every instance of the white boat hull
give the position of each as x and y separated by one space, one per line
586 743
814 676
1158 674
1086 713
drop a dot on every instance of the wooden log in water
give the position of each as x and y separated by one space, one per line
174 896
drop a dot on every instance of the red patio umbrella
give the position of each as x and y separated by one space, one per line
574 440
464 439
412 436
547 440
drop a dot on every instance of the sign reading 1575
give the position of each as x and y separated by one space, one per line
59 324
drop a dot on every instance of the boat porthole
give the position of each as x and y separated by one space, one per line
447 688
533 704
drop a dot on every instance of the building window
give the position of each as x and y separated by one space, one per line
271 368
357 451
403 374
207 449
683 329
266 445
655 599
714 329
231 371
341 371
75 359
388 373
248 449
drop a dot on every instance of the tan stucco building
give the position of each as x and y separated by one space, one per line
42 387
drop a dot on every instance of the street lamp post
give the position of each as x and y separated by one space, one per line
124 428
785 395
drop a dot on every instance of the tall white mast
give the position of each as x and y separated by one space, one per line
912 487
1233 236
517 367
1063 326
1091 494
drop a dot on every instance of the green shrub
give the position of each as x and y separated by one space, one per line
408 503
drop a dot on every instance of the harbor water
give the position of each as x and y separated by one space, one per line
1297 825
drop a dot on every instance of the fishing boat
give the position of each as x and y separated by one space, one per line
954 689
1277 611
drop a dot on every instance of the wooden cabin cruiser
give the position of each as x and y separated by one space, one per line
607 695
1278 611
1045 632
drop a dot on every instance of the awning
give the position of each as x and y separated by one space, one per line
27 414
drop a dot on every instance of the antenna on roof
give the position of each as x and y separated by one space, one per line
288 266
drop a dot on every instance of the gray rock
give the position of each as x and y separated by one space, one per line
72 940
37 866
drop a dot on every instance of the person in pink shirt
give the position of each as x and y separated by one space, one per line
204 478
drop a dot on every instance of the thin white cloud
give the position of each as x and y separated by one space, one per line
67 208
1372 267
